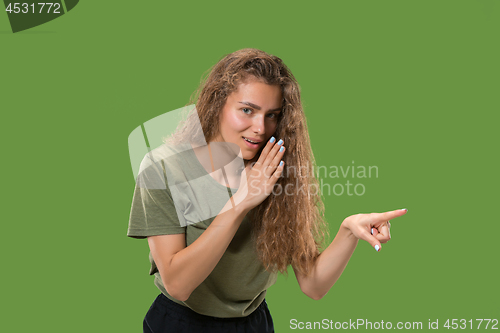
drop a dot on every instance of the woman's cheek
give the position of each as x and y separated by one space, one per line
239 122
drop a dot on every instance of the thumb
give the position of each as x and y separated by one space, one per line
370 238
248 167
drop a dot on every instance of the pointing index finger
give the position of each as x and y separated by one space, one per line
382 217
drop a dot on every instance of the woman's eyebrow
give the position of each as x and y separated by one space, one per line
258 107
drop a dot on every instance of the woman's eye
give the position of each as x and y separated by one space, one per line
272 115
246 109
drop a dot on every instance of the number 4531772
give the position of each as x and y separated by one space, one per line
25 8
462 324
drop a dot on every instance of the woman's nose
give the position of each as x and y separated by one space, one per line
258 125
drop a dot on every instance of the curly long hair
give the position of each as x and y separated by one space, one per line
287 229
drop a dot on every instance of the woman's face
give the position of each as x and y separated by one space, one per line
251 113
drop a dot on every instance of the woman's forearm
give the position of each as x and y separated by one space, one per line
189 267
329 265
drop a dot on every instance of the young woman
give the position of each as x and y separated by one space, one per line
219 231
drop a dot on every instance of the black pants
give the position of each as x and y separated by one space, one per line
165 316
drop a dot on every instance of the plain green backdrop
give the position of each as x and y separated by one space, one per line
408 86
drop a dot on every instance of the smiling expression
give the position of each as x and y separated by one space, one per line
250 114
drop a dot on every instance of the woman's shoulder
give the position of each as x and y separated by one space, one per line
168 161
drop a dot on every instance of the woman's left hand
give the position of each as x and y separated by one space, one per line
374 227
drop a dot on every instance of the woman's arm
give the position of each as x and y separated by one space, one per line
330 264
182 268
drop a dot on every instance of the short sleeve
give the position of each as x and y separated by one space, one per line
153 211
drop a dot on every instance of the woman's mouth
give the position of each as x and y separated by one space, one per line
250 143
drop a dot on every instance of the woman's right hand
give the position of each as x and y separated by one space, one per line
257 182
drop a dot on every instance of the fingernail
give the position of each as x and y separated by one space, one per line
372 231
281 149
280 142
281 163
272 139
404 209
377 248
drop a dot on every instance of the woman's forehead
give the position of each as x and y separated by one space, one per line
257 93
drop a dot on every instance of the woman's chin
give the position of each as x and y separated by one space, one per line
248 155
248 158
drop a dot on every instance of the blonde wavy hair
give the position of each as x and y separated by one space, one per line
287 229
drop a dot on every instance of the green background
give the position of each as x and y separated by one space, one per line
408 86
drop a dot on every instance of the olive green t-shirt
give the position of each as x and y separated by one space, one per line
175 195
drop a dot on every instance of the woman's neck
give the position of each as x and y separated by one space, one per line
215 157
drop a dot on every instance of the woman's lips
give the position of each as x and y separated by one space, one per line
251 145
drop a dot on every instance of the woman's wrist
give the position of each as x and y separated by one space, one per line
238 203
346 228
